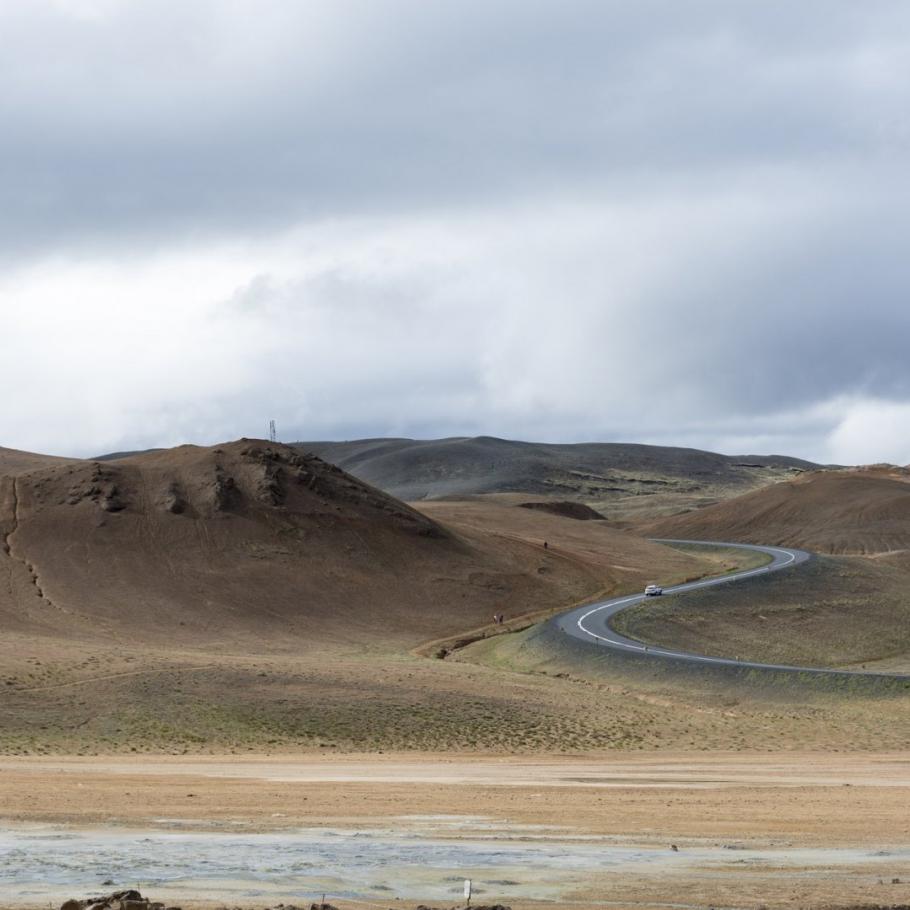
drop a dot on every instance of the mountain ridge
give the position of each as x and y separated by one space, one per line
614 478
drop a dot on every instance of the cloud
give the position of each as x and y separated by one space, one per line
150 119
583 220
867 428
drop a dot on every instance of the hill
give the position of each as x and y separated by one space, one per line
249 594
252 541
861 511
13 461
252 597
849 612
621 480
577 510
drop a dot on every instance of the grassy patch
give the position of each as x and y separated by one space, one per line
726 559
842 612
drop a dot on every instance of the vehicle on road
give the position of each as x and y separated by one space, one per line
653 591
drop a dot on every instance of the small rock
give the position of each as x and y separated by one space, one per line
140 904
173 502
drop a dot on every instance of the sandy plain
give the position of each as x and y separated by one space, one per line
792 829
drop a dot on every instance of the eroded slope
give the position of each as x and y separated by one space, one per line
836 512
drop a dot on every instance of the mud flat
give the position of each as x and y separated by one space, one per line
781 830
424 858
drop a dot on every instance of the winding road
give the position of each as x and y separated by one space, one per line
592 623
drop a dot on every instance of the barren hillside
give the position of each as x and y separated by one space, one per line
861 511
248 596
623 481
249 541
13 461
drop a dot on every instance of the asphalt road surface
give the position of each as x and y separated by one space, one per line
592 622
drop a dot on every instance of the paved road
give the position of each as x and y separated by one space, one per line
592 622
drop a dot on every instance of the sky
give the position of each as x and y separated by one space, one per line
557 220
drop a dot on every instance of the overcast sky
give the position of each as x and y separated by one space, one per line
655 221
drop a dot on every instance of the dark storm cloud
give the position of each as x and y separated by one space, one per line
150 118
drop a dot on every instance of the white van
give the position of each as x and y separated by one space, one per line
653 591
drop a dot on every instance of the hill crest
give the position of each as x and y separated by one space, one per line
622 480
857 511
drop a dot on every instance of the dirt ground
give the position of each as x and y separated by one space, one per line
716 807
324 715
812 799
857 511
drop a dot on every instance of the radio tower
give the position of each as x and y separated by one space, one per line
273 433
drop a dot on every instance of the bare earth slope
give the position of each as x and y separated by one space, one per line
848 611
623 480
14 461
839 512
249 541
249 597
247 594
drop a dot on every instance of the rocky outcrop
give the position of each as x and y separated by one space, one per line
98 485
133 900
223 490
172 499
577 510
118 900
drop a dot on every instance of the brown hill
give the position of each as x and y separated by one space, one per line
248 597
13 461
622 481
577 510
861 511
224 546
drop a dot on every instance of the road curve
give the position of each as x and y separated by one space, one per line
592 623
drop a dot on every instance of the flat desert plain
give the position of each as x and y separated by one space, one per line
636 830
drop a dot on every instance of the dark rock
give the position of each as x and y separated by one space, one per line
224 490
172 500
270 486
577 510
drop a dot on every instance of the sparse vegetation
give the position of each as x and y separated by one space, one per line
848 512
278 616
833 612
623 482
